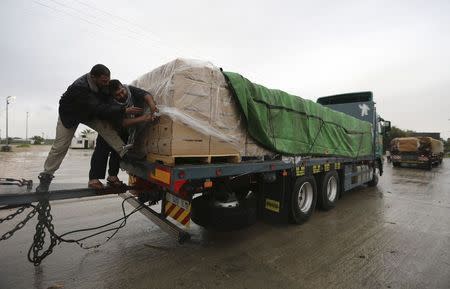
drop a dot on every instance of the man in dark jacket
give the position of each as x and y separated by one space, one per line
82 103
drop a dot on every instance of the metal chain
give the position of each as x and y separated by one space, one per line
44 221
10 217
16 182
20 225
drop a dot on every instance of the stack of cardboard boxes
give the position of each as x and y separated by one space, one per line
199 92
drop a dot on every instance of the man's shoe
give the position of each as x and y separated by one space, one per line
114 181
95 184
44 183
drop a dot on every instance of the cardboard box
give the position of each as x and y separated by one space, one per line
255 150
220 147
152 146
177 130
173 147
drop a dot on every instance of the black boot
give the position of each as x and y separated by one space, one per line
44 183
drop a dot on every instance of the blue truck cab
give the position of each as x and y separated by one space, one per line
361 106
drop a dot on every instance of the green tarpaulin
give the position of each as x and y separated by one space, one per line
288 124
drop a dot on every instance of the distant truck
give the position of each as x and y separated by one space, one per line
417 151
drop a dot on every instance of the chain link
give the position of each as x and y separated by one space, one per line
44 221
10 217
37 253
16 182
20 225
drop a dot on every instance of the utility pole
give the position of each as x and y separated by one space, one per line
7 103
26 132
7 147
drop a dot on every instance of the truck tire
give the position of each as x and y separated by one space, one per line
329 190
303 199
429 165
374 181
206 214
228 219
200 211
395 164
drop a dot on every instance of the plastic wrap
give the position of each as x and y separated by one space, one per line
199 115
405 144
436 146
414 144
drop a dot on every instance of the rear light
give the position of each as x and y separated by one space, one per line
218 172
207 184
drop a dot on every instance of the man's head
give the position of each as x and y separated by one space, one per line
101 75
117 90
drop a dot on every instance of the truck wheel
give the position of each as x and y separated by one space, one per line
374 181
303 200
200 212
395 164
228 219
329 190
429 165
207 213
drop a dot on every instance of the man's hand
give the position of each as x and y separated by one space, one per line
151 103
154 108
147 117
133 110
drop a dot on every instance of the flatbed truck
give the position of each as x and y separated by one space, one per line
233 195
429 153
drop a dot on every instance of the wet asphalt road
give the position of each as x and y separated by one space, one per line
396 235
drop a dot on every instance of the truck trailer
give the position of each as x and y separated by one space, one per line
227 195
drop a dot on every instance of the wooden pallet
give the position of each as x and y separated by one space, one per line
193 159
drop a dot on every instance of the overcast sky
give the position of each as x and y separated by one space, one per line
400 50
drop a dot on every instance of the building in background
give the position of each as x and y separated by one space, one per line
86 140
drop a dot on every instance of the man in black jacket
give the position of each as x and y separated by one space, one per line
82 103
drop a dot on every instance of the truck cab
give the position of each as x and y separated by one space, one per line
361 106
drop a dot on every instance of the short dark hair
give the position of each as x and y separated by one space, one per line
99 70
114 85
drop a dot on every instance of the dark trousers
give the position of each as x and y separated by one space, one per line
100 158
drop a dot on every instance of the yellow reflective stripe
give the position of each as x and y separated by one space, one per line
174 211
161 176
183 215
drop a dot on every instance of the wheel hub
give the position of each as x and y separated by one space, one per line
305 197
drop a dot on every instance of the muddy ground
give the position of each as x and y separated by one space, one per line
396 235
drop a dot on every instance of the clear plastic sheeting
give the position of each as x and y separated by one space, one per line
415 144
405 144
436 146
176 115
199 115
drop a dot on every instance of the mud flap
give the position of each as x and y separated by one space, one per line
273 205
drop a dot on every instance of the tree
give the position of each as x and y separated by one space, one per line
447 145
38 140
393 133
86 132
